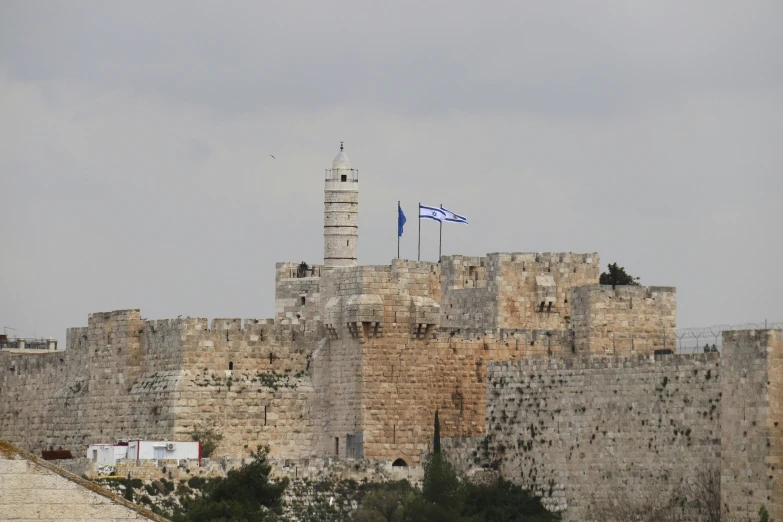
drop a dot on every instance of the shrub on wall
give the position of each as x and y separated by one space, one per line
209 437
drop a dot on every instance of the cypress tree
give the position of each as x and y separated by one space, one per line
436 439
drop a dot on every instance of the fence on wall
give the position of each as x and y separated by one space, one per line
697 340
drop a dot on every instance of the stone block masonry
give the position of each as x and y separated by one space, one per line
122 377
579 430
354 364
626 320
582 430
752 418
513 290
32 489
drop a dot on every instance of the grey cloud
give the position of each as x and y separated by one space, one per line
586 60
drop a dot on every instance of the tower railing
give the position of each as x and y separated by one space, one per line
353 177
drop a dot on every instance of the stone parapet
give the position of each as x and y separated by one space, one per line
626 320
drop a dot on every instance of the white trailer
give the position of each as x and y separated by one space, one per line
164 449
107 454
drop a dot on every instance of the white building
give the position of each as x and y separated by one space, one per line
164 449
109 454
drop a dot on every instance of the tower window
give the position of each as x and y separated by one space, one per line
348 243
337 445
344 177
230 365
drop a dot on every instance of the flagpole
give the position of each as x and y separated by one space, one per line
418 256
398 229
440 237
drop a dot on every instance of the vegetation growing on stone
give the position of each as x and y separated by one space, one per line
617 276
209 437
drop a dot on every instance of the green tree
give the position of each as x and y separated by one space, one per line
389 503
208 436
244 495
441 484
763 514
436 437
617 276
503 502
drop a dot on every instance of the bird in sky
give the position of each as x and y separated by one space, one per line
273 157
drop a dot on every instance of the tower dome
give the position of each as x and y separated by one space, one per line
341 161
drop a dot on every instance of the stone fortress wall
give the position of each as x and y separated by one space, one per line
122 377
358 367
579 430
585 430
564 382
354 363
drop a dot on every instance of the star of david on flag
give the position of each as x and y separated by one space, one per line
451 217
433 213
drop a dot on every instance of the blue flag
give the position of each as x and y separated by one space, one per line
400 220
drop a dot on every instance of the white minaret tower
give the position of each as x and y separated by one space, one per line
341 213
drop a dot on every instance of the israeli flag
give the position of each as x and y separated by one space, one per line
451 217
433 213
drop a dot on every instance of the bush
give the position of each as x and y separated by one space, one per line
209 437
196 482
245 494
617 276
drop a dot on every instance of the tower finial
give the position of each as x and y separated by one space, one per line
341 145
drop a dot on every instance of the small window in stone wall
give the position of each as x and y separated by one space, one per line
264 415
344 177
302 300
337 446
230 365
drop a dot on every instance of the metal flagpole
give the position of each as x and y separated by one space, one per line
398 229
440 237
418 256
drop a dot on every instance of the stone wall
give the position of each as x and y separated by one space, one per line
354 365
122 377
297 298
752 417
513 290
626 320
32 489
580 430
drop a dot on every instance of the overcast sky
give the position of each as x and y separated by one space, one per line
135 143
